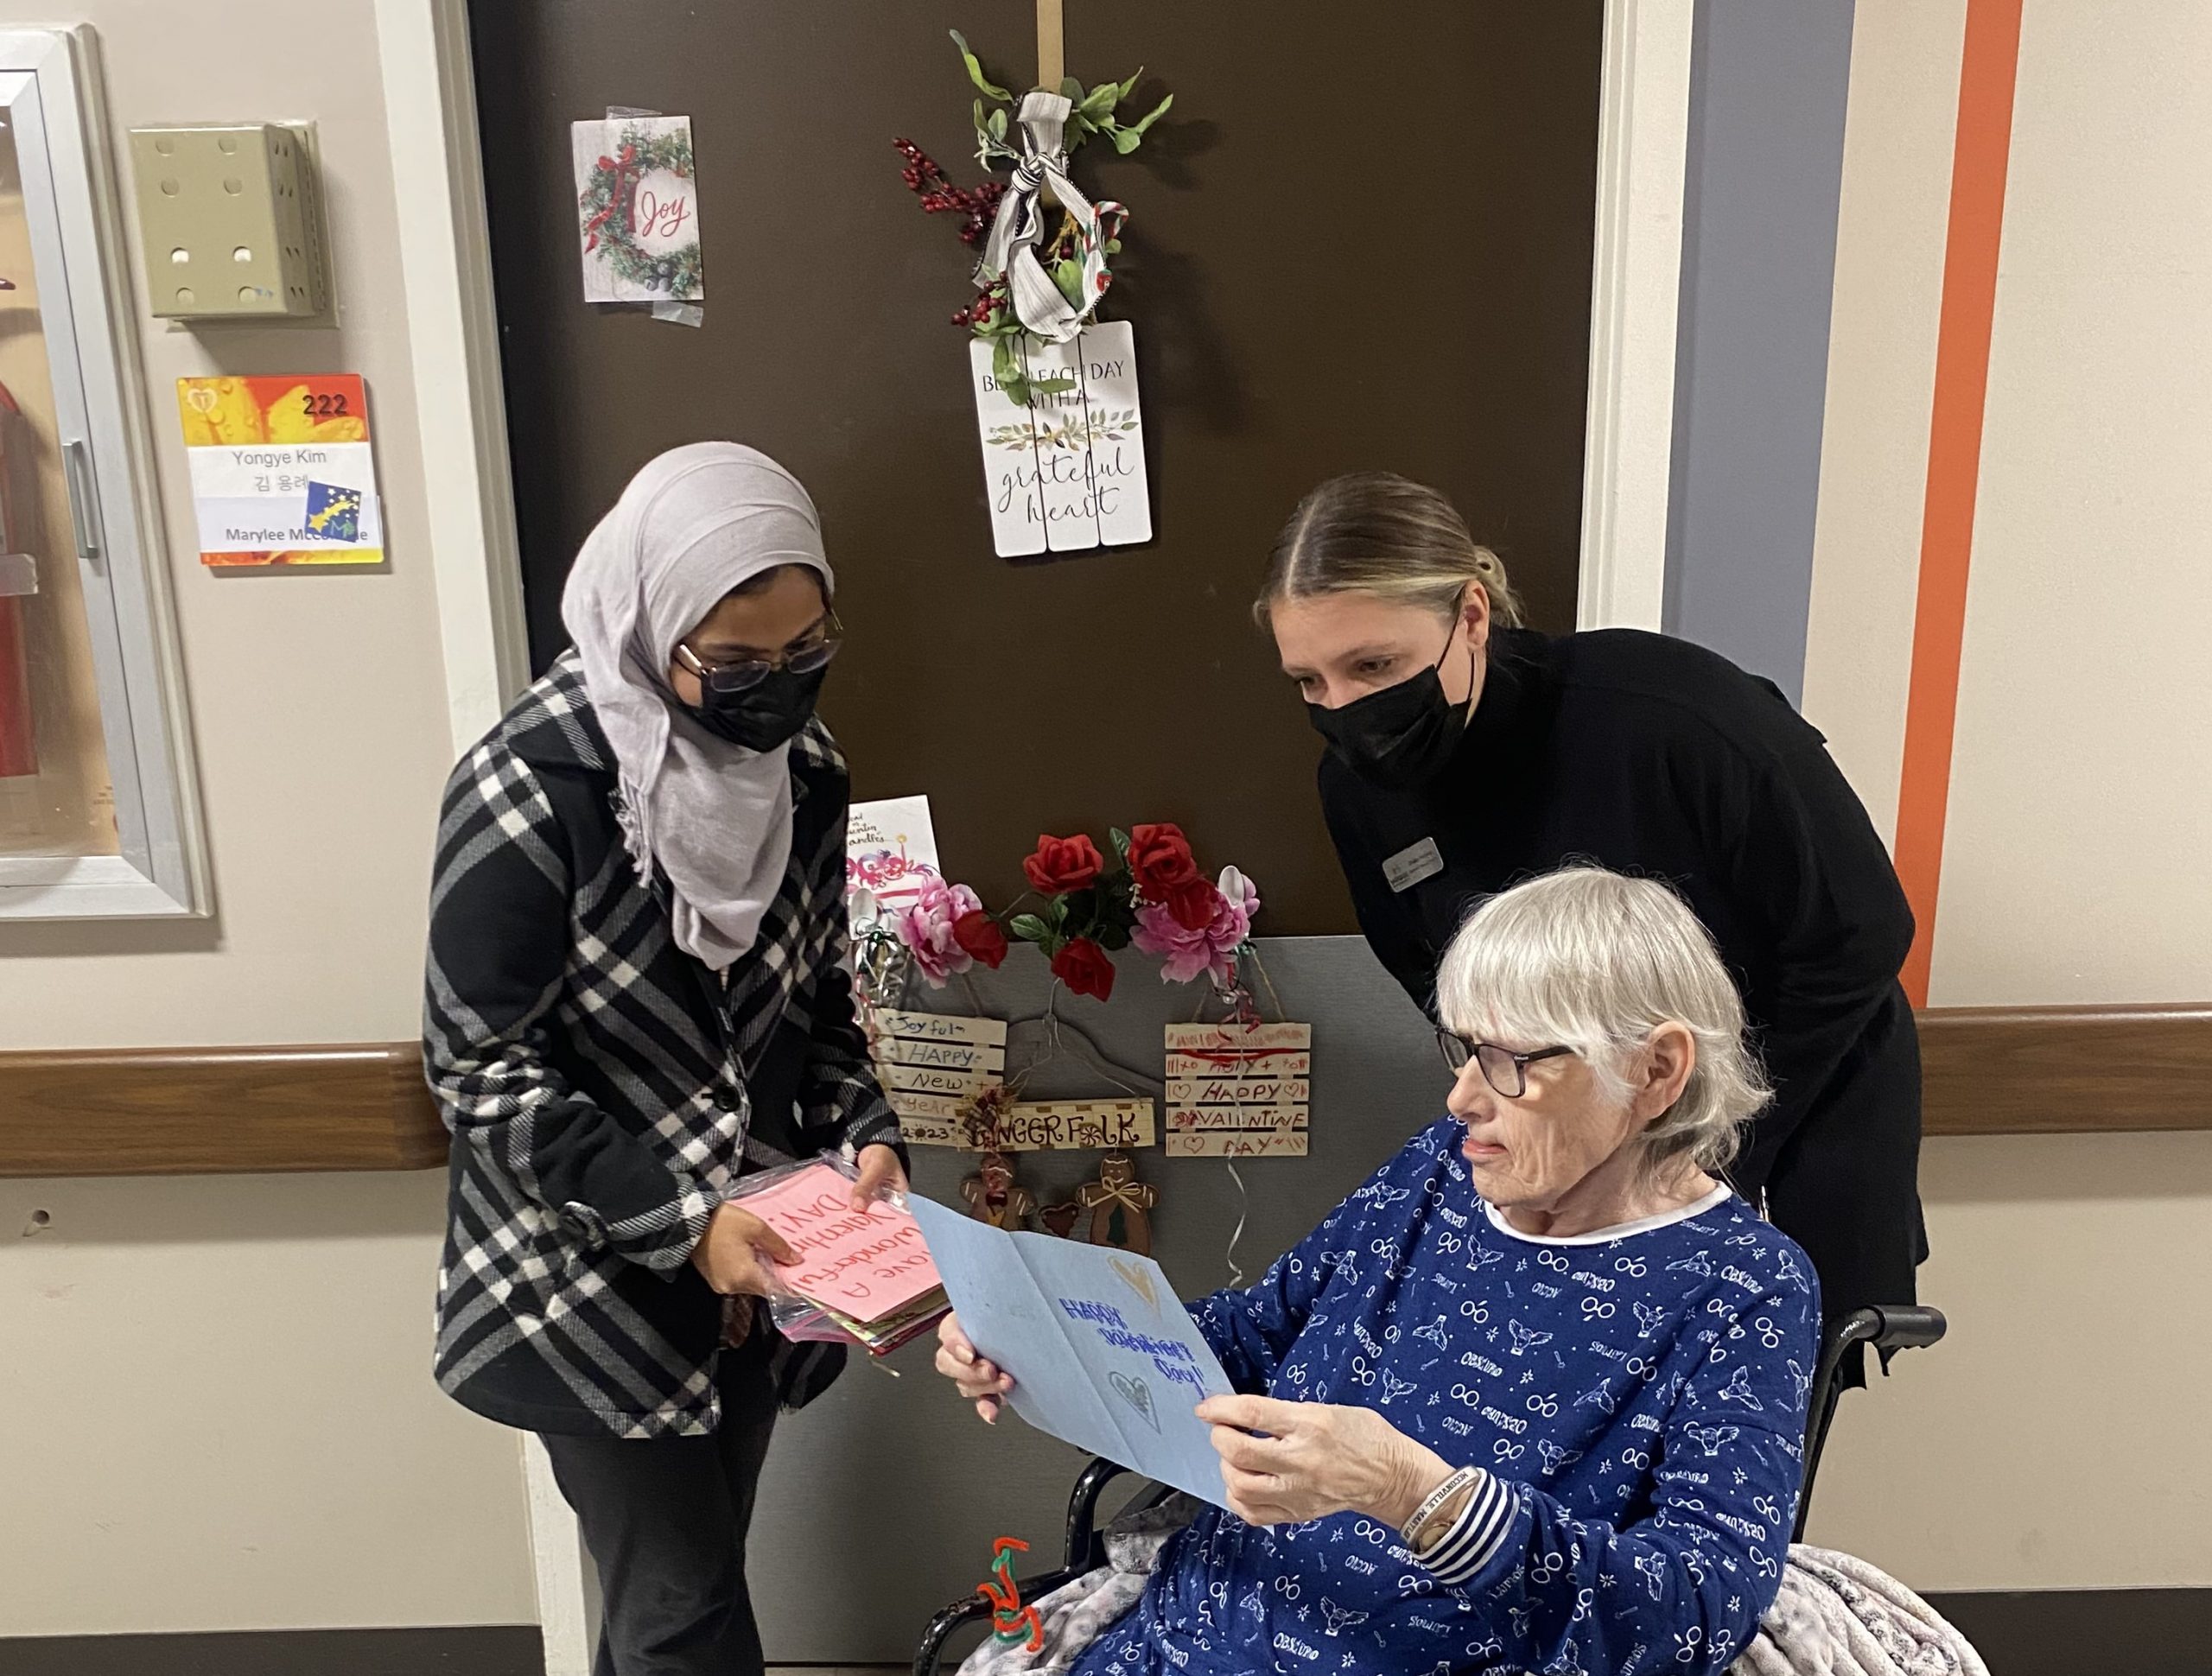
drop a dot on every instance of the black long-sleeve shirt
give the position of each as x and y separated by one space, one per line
1655 757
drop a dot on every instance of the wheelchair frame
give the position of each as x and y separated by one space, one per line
1887 1328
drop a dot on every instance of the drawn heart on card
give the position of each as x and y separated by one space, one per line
202 399
1137 1395
1138 1280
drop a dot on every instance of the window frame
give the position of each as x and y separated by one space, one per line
49 92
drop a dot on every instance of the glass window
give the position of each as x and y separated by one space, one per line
98 816
55 797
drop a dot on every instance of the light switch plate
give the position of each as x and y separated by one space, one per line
229 220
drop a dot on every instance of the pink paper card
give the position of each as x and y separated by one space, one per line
863 1263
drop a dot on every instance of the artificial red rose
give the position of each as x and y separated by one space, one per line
979 934
1082 966
1063 864
1193 905
1161 859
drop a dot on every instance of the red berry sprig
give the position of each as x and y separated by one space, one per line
977 205
992 300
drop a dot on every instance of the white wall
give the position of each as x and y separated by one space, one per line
216 1409
2055 1439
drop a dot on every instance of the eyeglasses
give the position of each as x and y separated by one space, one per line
1502 1069
742 677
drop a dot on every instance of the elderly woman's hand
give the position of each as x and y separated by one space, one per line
1316 1459
980 1380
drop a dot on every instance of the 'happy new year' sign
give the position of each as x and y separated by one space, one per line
1066 472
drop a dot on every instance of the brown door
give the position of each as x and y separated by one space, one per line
1362 239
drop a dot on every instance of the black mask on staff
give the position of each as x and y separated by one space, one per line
1400 738
767 714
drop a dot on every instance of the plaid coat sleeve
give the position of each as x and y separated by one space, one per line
499 948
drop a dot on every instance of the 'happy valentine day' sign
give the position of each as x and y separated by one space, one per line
1238 1091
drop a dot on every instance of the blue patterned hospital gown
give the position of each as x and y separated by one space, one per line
1640 1394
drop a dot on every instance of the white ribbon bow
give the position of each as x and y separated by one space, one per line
1019 225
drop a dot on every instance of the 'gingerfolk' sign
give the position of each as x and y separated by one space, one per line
1066 472
1076 1125
1236 1090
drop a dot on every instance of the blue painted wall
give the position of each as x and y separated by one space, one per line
1768 85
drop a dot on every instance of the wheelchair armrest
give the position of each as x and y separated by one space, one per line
975 1606
1886 1327
1908 1327
1086 1551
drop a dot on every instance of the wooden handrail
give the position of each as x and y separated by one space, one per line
237 1110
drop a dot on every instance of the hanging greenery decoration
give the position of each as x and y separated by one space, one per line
990 315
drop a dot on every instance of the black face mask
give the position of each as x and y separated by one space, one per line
1400 738
768 714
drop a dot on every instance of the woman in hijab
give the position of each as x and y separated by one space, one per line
634 999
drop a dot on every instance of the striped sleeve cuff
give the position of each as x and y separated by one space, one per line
1458 1556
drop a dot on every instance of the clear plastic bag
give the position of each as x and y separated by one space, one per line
801 1318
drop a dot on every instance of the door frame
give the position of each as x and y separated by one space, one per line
429 95
1635 299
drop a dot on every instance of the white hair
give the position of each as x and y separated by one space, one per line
1596 960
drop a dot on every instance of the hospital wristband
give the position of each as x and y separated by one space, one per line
1411 1532
1456 1556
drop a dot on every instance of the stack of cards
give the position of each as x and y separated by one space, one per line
863 1277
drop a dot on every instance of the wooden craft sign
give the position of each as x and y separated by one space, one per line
931 1065
1238 1091
1066 472
1076 1125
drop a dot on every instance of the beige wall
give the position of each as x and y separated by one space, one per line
217 1411
2054 1440
2083 782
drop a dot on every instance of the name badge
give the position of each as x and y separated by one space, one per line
1409 867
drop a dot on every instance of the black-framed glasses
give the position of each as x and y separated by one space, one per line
1502 1069
742 677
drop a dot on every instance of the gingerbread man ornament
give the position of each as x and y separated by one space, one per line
995 1196
1119 1204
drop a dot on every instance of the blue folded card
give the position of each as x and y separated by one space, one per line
1101 1351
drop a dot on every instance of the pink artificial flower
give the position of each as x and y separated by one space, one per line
1183 953
926 930
1240 891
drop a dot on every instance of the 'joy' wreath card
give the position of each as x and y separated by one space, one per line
638 210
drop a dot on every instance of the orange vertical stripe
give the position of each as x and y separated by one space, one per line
1977 220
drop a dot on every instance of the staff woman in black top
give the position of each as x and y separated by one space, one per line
1465 752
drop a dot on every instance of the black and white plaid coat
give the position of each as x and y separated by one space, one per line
605 1089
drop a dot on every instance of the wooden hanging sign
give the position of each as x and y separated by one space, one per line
1076 1125
931 1065
1263 1090
929 1120
1053 1125
1065 473
1238 1091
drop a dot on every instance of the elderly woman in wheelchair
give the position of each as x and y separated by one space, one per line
1533 1398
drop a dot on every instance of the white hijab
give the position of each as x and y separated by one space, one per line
716 817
